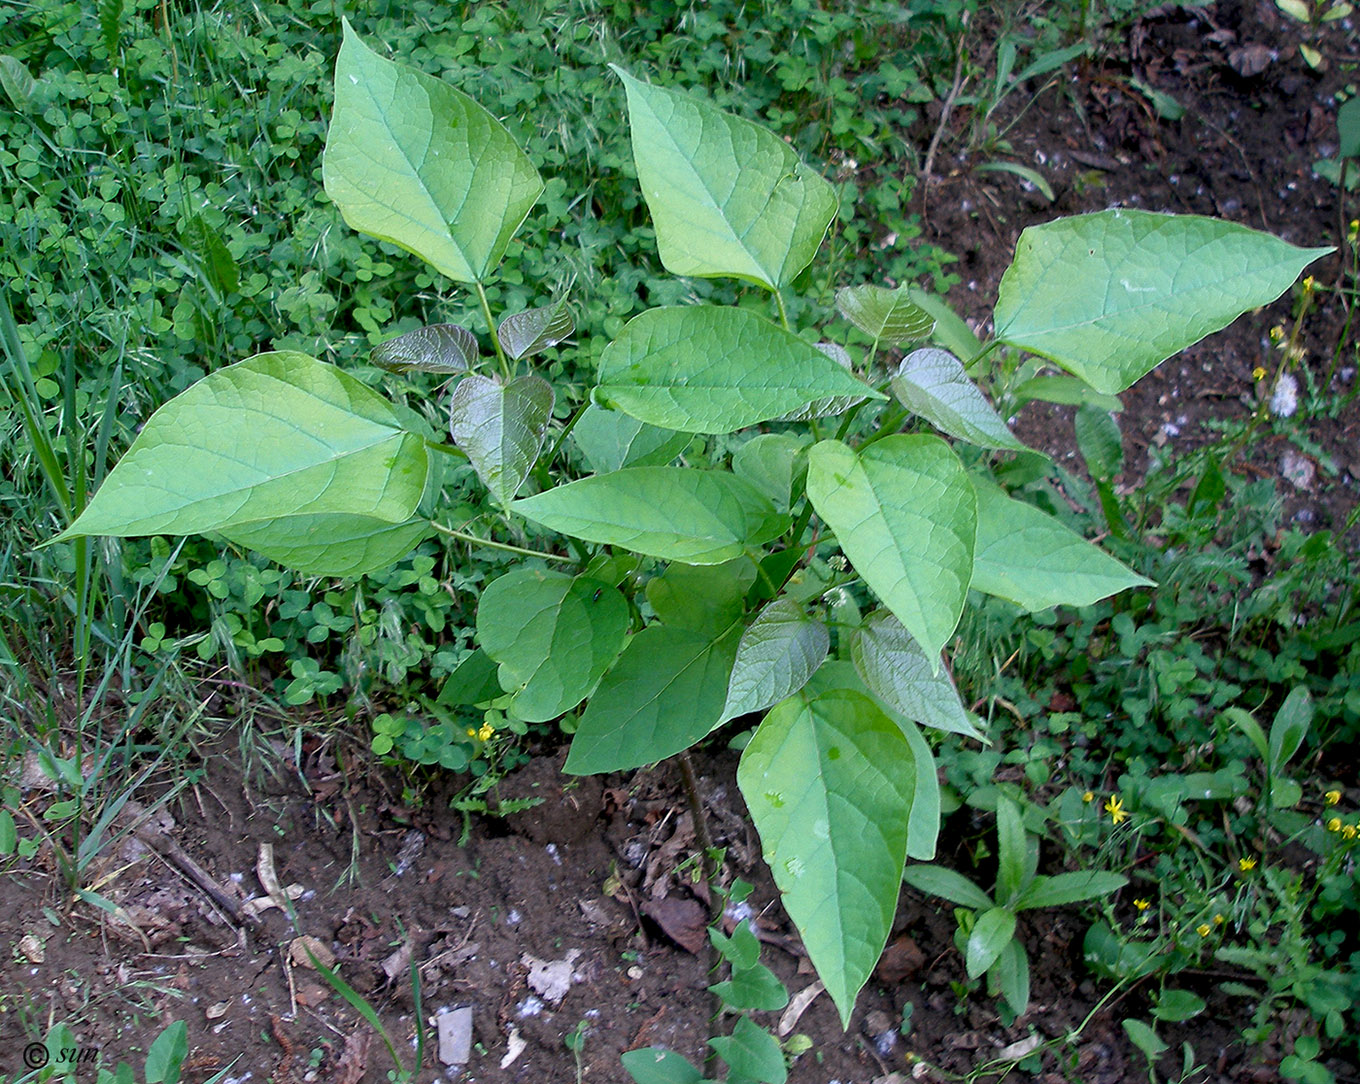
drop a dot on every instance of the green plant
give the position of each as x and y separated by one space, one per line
987 923
65 1058
673 599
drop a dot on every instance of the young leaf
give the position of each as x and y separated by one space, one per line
754 987
898 672
829 785
1012 973
528 332
727 196
696 516
501 427
18 84
438 348
411 160
1011 850
947 884
611 440
741 950
332 543
1027 556
886 316
653 1065
1065 888
665 693
1109 296
991 934
904 513
777 654
715 369
932 383
554 636
167 1054
275 437
1145 1039
751 1053
1177 1006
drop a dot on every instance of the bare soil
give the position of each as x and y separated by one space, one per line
599 878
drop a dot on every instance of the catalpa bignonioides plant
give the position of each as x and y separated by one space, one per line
682 598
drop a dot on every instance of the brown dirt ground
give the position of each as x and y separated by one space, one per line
596 875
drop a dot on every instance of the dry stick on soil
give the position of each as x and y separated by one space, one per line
945 113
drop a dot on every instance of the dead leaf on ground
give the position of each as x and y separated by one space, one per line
300 947
353 1063
684 921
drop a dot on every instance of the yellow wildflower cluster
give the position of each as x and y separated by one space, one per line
1246 865
1115 808
481 733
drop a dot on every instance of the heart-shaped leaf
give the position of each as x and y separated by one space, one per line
829 782
438 348
273 438
1110 296
696 516
411 160
1027 556
553 635
932 383
665 693
904 513
528 332
727 196
886 316
898 672
501 427
715 369
331 544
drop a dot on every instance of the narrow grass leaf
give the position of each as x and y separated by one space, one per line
1109 296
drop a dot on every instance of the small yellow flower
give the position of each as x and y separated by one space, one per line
1219 920
1349 831
485 732
471 732
1308 285
1088 797
1334 825
1277 333
1333 797
1204 929
1354 232
1258 373
1246 865
1115 808
1142 905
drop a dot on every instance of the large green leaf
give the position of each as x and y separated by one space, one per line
1109 296
331 544
898 672
702 598
887 316
554 636
696 516
727 196
1027 556
501 427
829 784
411 160
904 513
665 693
715 369
256 444
777 655
931 382
612 440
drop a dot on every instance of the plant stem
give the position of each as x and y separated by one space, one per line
701 834
491 329
500 545
783 312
